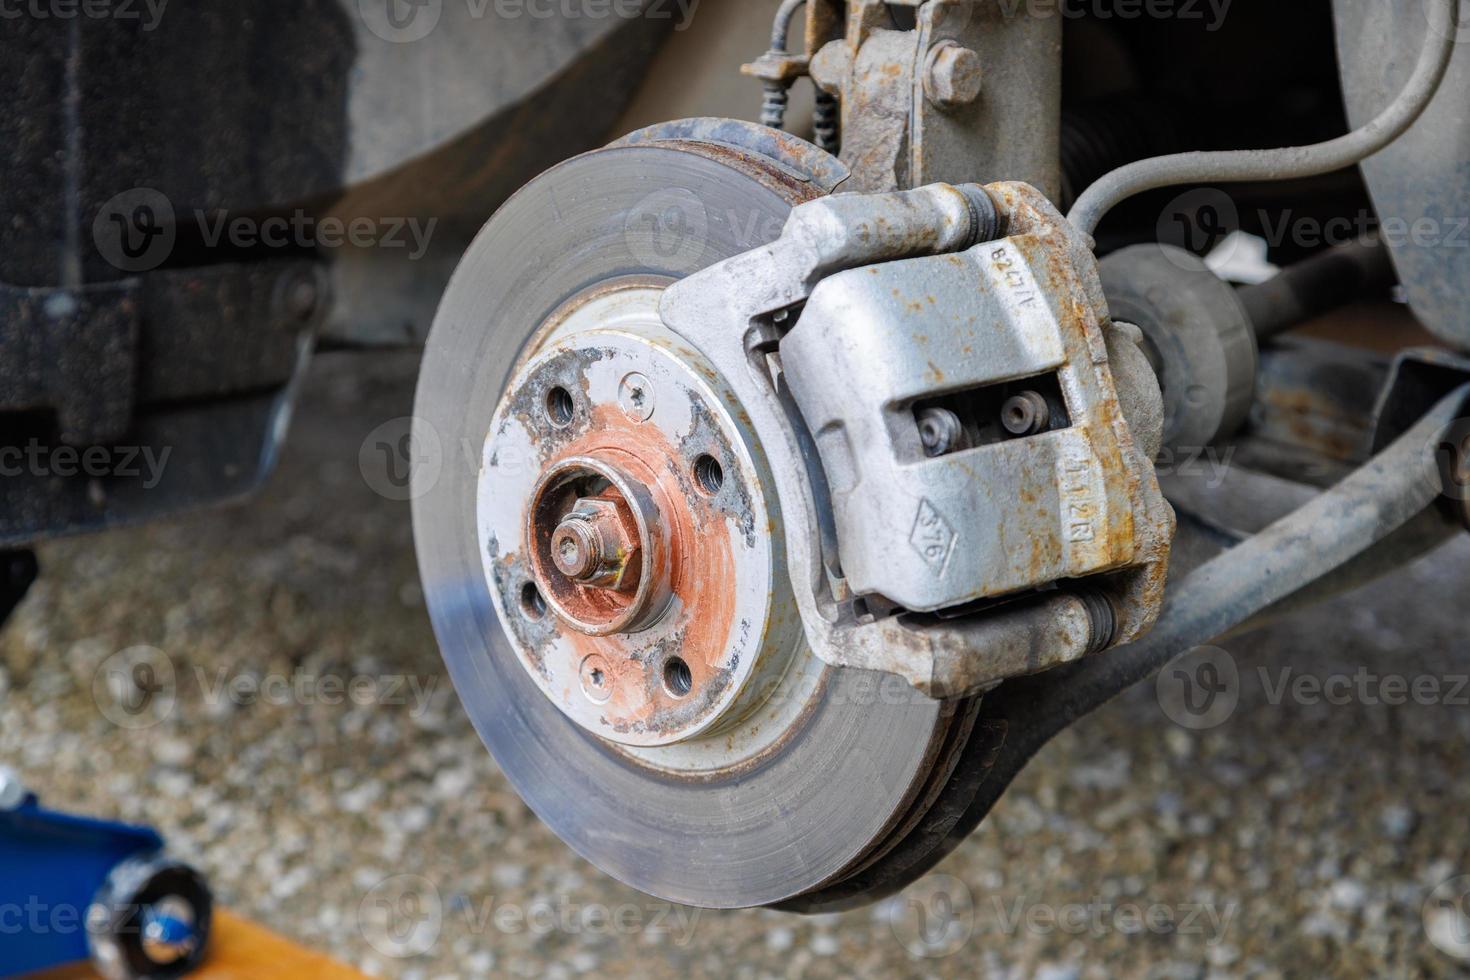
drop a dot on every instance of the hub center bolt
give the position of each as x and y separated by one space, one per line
576 548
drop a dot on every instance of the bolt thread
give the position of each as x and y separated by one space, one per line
773 106
825 122
985 219
1103 617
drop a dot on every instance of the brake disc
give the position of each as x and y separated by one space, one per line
602 550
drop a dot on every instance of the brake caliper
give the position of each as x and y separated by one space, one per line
985 504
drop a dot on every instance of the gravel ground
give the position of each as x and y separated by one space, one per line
1296 837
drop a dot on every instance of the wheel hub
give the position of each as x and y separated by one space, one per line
619 504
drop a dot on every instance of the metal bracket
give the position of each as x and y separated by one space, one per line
971 92
1418 378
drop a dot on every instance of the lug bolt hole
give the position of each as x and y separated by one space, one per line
533 603
709 476
559 407
678 681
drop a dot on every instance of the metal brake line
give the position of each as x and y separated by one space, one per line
1234 166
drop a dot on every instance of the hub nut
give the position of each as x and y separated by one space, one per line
598 550
597 545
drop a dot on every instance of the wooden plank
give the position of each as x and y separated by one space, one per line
241 950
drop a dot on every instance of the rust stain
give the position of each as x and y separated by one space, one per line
787 184
1315 422
699 563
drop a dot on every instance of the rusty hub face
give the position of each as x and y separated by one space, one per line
627 531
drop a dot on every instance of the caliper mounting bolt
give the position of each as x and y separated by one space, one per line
952 75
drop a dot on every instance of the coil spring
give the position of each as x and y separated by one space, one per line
773 106
826 122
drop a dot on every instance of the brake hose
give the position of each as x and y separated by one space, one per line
1287 163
